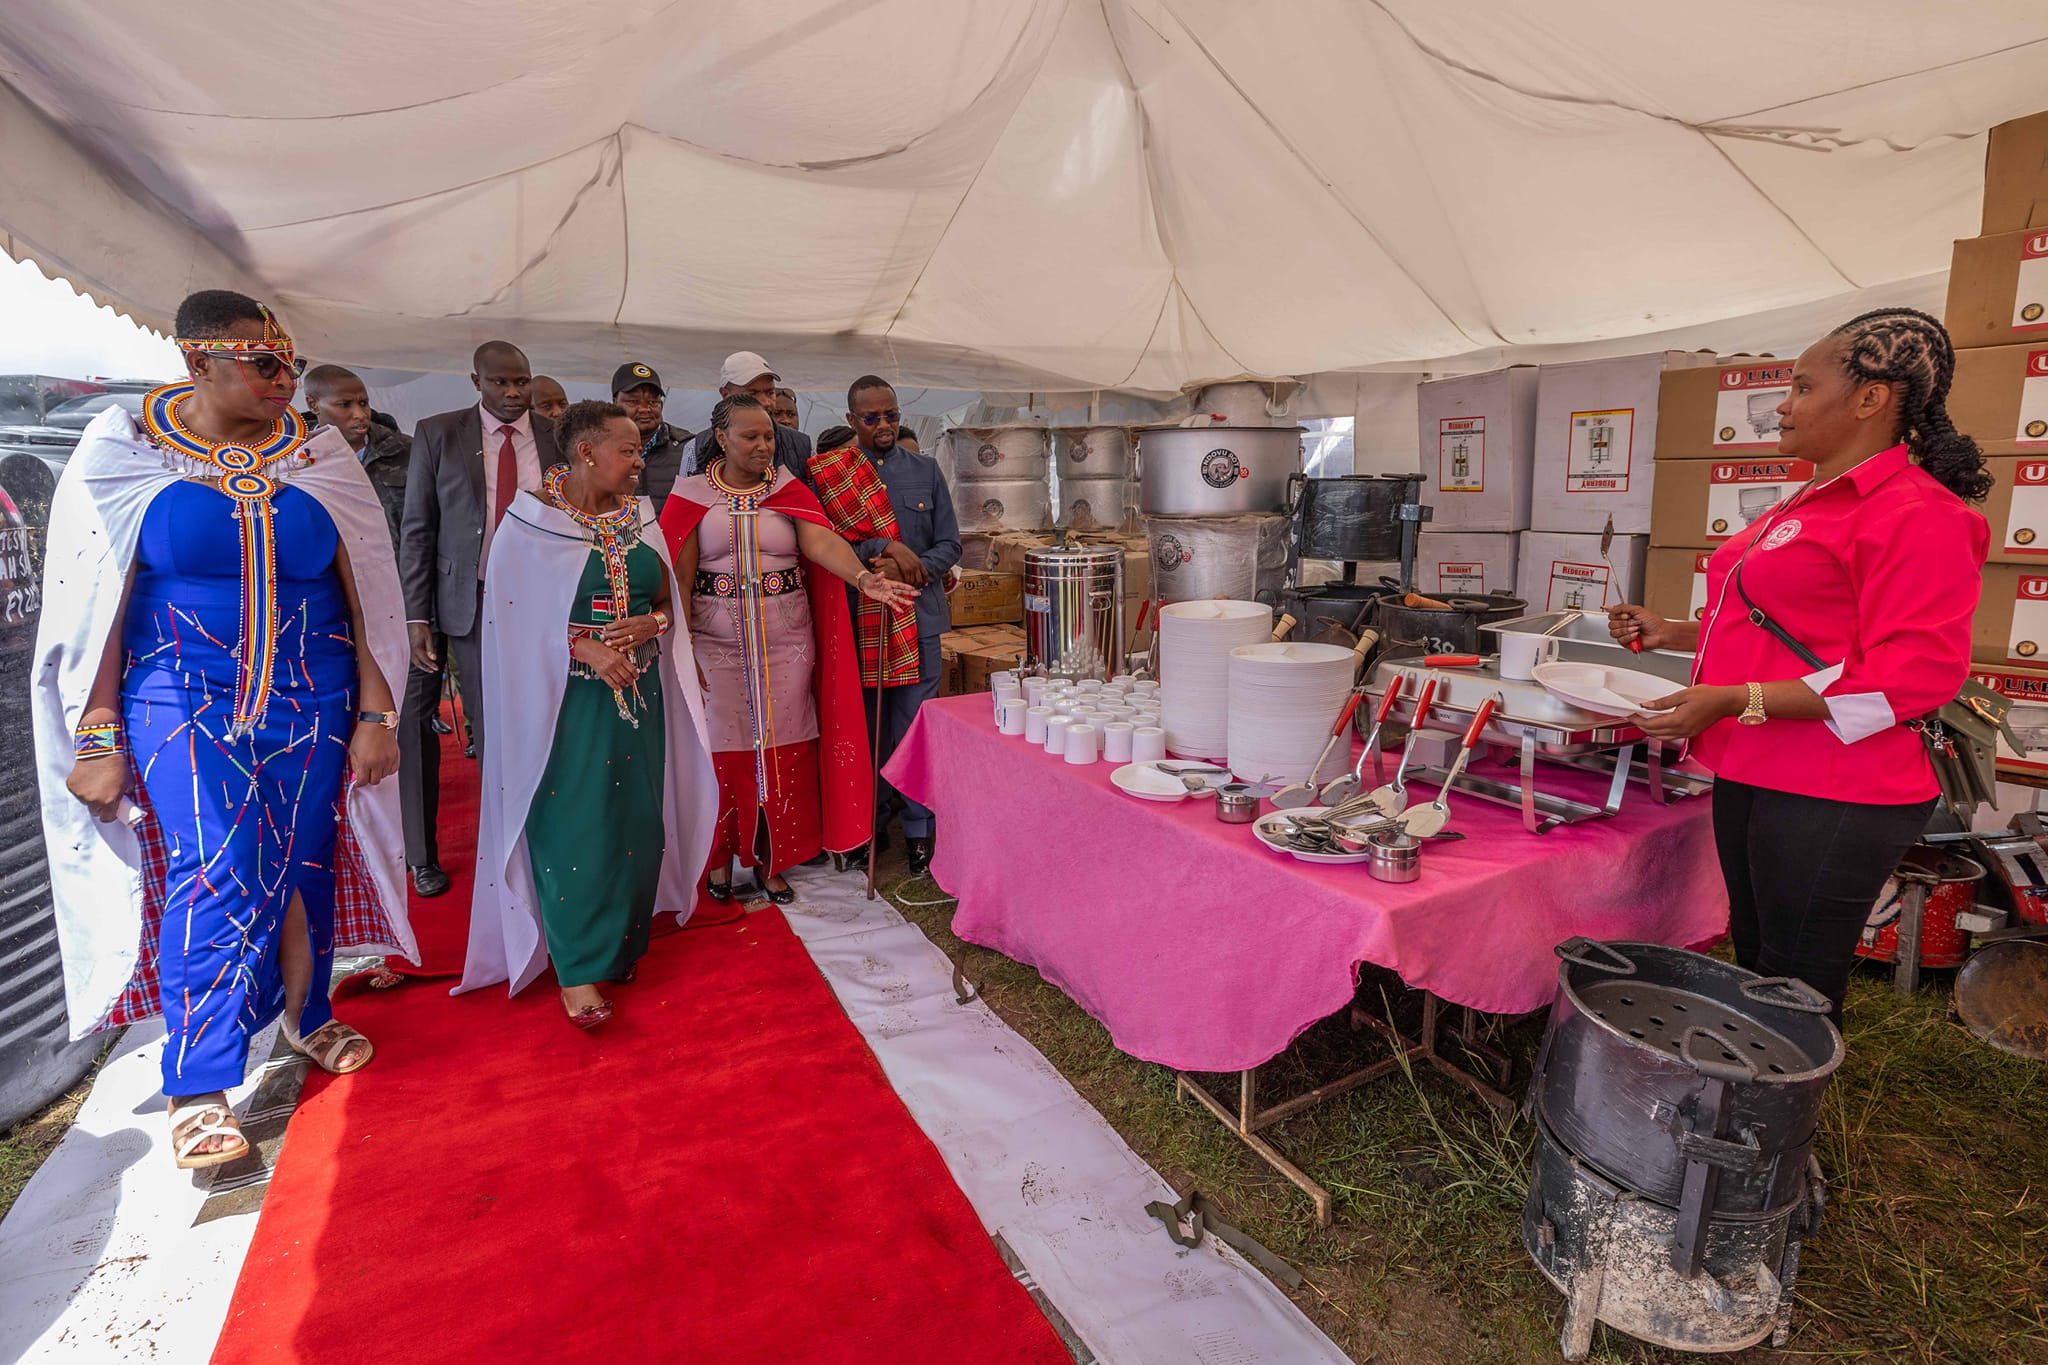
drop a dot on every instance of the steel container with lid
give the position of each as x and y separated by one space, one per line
1073 611
1016 451
1216 471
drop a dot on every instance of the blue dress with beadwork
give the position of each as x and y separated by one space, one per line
245 822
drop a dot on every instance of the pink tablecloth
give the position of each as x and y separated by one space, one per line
1201 949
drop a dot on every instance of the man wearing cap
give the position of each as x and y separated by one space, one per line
746 372
637 389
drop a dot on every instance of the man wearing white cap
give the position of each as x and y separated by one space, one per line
747 372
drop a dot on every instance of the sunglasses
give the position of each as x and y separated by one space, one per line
892 415
266 367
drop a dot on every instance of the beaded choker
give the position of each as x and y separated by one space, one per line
742 499
237 470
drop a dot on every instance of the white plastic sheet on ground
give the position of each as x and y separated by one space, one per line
1043 1170
1013 194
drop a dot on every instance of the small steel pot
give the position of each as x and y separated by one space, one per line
1395 856
1237 803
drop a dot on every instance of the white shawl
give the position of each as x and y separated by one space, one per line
537 559
95 522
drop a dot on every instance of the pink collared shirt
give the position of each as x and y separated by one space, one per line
1877 572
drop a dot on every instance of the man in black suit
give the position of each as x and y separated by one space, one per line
746 372
466 467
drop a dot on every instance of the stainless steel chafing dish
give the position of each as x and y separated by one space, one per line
1583 638
1530 724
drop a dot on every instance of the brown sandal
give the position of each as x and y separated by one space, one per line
324 1045
195 1123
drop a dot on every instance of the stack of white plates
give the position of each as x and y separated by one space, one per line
1195 640
1284 701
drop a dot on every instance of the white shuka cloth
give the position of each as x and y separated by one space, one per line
95 522
537 559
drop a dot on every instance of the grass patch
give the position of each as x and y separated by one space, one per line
1934 1246
25 1146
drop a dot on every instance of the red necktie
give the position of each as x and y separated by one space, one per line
508 478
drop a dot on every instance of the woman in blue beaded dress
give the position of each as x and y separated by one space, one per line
214 718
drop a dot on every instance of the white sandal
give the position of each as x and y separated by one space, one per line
193 1124
328 1042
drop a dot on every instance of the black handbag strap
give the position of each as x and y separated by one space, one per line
1760 617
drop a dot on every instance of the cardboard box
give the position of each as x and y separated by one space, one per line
992 649
1559 571
1704 502
983 597
1675 583
1728 410
2017 508
2000 397
2011 625
999 551
1998 290
2028 688
1469 562
2016 176
1478 443
1596 437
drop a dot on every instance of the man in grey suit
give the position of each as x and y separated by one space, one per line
466 467
746 372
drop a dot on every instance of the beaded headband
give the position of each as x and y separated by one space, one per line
275 341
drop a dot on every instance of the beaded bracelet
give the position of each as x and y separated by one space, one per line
661 623
98 741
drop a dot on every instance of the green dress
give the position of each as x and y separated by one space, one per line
595 830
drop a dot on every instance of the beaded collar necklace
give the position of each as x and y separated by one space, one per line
237 470
613 535
742 499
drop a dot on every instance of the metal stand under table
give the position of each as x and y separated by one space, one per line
1250 1119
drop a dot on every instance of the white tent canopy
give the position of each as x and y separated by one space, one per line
1009 194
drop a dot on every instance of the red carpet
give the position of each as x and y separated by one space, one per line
441 925
721 1174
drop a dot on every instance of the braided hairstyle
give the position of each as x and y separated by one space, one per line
1911 351
721 420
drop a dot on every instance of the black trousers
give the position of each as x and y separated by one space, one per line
1803 873
419 748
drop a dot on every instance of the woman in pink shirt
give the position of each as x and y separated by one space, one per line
1873 569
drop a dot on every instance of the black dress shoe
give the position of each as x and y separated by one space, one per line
785 896
719 891
440 727
919 849
429 880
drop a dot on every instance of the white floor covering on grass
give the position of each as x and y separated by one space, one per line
99 1260
1042 1169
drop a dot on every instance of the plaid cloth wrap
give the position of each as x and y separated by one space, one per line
858 504
359 919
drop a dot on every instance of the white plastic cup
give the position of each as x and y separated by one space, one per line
1116 742
1148 744
1034 690
1521 654
1081 744
1056 728
999 695
1035 718
998 680
1011 719
1144 687
1069 707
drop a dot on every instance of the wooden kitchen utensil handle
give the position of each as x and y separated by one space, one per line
1416 599
1366 640
1479 719
1282 626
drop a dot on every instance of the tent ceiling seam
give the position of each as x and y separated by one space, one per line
1781 211
599 176
625 228
1316 172
1886 80
426 195
1159 225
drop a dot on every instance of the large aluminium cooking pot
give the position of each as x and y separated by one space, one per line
1093 453
1637 1036
1007 452
1455 631
1216 471
1002 504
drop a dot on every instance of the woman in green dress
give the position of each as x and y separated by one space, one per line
598 801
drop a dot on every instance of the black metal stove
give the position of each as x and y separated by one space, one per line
1676 1099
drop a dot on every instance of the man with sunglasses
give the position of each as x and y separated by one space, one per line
924 549
746 372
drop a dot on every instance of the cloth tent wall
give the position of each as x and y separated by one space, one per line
1043 194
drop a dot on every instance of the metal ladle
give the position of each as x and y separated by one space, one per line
1423 821
1346 787
1392 799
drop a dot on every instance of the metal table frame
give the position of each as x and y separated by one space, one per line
1249 1119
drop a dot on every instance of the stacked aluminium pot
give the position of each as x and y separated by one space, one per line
1215 505
1676 1099
1001 478
1098 487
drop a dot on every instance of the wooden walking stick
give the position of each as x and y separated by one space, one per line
881 614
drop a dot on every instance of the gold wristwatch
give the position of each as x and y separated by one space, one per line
1753 714
387 719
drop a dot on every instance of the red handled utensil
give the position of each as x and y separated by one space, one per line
1450 661
1392 799
1303 793
1424 821
1346 787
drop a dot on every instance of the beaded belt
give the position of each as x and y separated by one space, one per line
774 582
